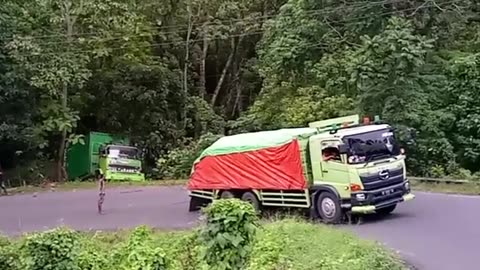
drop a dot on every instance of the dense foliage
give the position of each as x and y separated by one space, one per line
166 72
229 234
230 224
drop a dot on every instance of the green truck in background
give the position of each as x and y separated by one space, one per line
108 153
347 167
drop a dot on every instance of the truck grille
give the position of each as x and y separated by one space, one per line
376 181
125 169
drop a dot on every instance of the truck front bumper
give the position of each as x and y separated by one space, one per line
367 209
368 201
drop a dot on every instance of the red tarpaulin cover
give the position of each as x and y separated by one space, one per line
278 167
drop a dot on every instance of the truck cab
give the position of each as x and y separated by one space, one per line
362 165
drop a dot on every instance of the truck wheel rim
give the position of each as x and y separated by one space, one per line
328 207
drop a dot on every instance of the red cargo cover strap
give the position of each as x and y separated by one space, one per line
278 167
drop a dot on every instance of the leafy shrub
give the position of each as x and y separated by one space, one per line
437 171
268 252
184 251
476 177
92 257
461 173
58 249
229 234
4 241
140 253
9 257
178 162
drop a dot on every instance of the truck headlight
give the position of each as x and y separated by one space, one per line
360 197
407 186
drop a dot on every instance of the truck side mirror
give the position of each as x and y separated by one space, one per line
343 149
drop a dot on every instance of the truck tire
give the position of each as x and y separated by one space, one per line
328 207
196 204
227 195
252 199
386 210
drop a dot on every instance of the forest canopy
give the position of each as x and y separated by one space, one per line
169 73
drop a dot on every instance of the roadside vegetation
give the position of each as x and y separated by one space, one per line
472 188
231 239
169 74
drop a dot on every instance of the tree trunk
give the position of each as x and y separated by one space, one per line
202 90
185 67
69 22
237 106
225 69
63 139
237 89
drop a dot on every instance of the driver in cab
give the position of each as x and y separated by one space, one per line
331 153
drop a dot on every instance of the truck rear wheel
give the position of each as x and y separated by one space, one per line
328 207
252 199
386 210
196 203
227 195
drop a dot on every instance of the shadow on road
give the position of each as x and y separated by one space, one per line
276 213
375 218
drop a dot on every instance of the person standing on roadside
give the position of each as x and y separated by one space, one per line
2 181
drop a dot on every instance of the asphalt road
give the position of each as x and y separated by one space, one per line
433 232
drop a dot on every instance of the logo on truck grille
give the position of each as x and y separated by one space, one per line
384 174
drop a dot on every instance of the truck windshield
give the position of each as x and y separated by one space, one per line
123 152
372 145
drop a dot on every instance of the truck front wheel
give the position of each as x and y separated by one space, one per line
328 207
252 199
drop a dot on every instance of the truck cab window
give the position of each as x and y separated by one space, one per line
331 154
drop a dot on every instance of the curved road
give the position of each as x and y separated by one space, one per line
435 231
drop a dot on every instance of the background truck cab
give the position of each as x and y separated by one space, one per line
108 153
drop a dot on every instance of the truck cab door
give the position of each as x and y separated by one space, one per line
334 171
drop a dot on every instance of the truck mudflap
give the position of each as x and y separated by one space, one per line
372 200
366 209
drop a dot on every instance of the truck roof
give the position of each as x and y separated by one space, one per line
353 130
264 139
256 140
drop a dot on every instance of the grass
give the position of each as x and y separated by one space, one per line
310 246
452 188
282 244
78 185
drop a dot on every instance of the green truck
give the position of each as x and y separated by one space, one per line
331 168
108 153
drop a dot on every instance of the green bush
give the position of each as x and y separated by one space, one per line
229 234
9 257
462 174
58 249
139 253
187 252
93 257
437 171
